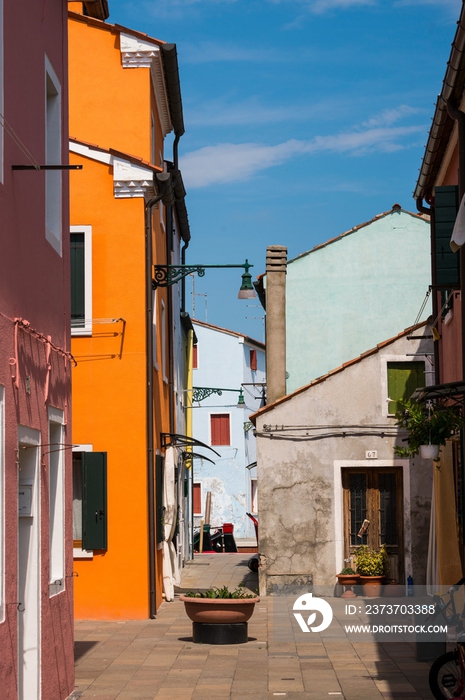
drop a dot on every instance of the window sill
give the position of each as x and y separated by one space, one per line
79 553
81 331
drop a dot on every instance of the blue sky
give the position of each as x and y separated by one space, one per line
303 119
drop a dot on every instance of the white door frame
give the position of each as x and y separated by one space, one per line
339 465
29 565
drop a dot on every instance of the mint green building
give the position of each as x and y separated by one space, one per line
349 294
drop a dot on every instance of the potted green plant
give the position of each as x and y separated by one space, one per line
428 425
348 578
220 616
372 566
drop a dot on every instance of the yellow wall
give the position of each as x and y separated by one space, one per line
111 107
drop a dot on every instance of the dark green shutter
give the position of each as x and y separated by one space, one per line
446 204
94 500
403 379
159 484
77 279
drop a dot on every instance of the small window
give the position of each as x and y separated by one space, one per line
53 178
197 498
403 379
220 432
195 363
81 280
254 496
253 360
90 500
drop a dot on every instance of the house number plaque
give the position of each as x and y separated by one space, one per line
371 454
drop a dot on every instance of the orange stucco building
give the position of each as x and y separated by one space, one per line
124 99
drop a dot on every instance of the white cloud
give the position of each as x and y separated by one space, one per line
390 116
228 162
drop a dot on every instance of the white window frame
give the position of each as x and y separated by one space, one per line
56 456
86 329
338 466
53 156
2 502
254 495
385 359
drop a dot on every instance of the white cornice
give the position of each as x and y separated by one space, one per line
161 97
137 53
88 152
129 180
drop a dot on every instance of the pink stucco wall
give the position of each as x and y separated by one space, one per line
34 285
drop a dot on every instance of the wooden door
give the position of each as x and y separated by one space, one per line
376 495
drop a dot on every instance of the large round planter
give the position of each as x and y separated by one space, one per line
219 611
372 585
429 451
348 580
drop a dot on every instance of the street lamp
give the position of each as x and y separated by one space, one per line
166 275
199 393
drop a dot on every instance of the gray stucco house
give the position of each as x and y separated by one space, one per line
326 463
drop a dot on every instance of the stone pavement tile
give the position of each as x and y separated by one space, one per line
249 685
178 693
99 696
394 686
148 673
211 683
159 659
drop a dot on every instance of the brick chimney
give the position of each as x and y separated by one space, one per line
276 263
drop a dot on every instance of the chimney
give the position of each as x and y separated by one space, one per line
276 262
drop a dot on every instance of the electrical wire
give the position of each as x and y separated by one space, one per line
14 136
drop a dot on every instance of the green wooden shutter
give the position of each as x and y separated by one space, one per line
403 379
94 500
159 484
446 204
77 279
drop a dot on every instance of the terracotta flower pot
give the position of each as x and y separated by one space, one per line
219 611
372 585
348 580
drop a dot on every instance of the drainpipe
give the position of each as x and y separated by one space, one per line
165 194
459 116
276 263
431 213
